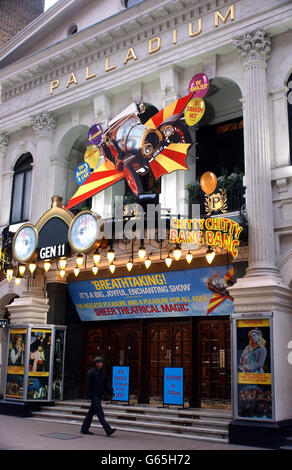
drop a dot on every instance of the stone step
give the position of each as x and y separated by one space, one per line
177 428
134 416
191 412
221 440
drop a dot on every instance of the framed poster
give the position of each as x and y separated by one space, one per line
15 363
173 389
252 359
120 383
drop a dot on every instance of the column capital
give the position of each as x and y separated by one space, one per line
253 47
44 123
3 141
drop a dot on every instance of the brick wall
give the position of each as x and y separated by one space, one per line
16 14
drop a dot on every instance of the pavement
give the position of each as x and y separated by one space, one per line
32 434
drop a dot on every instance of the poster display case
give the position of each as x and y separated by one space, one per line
253 381
35 362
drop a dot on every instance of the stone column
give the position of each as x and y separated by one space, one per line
253 49
3 148
43 125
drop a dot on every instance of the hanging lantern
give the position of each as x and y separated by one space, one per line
129 265
47 265
177 252
63 262
96 257
21 269
32 267
147 262
210 254
141 253
76 271
189 257
9 274
110 255
168 261
79 260
95 270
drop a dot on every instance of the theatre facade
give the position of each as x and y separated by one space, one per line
181 264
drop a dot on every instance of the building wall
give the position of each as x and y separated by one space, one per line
40 82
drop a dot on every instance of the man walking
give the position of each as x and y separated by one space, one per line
97 382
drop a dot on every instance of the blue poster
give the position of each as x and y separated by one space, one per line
121 383
173 390
192 292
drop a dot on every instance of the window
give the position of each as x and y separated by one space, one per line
72 29
21 189
131 3
290 114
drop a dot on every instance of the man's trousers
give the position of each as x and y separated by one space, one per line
95 408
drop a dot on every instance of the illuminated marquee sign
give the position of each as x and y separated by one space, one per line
221 232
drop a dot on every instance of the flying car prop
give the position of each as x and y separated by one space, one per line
139 140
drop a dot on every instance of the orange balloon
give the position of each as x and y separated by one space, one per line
208 182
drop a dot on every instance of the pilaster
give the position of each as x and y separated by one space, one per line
43 126
3 148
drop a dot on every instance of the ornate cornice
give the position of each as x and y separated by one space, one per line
44 123
253 47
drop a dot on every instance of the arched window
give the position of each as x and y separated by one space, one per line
290 113
21 190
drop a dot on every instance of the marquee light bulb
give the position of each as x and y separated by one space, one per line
189 257
141 253
76 271
177 252
79 260
110 255
18 280
9 274
129 265
47 266
210 254
62 273
147 262
95 270
112 268
32 267
63 262
21 269
168 261
96 257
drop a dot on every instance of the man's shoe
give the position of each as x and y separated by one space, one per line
86 432
111 432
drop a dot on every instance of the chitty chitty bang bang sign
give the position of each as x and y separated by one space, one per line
218 231
194 292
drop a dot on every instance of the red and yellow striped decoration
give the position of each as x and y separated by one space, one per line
103 177
218 299
170 159
172 109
